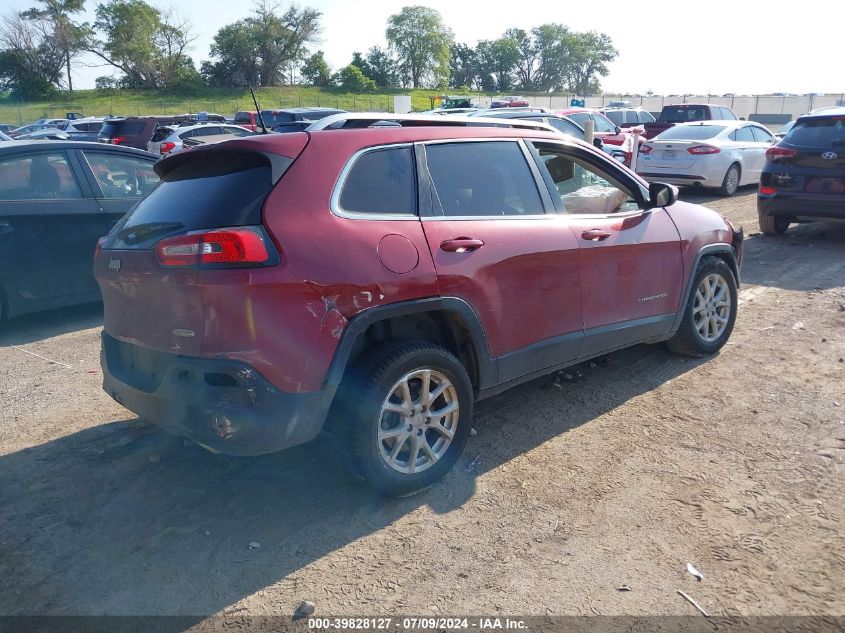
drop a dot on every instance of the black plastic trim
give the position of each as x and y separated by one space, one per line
487 367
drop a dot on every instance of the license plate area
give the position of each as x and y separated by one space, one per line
825 185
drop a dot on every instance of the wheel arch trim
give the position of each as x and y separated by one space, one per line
720 248
487 366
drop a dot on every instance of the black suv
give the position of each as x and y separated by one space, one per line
804 175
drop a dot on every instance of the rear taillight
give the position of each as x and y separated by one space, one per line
117 140
646 149
767 191
776 153
99 246
166 147
243 246
703 149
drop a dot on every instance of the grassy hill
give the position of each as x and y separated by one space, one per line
224 101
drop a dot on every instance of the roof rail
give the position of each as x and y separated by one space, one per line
359 120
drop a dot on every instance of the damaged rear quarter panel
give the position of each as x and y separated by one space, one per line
338 257
271 320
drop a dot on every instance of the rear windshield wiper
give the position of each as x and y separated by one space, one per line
143 232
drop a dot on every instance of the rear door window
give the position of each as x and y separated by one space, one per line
121 176
646 117
489 178
603 125
381 181
44 176
744 135
762 136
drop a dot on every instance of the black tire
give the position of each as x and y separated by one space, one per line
772 224
730 186
358 415
688 340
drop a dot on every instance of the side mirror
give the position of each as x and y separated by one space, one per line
598 143
661 195
617 130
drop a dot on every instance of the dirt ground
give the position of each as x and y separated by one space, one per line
646 462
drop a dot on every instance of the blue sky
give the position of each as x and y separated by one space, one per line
718 46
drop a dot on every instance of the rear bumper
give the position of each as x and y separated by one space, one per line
808 206
226 406
681 179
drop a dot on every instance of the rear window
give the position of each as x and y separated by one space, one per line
690 132
243 117
275 118
217 190
381 181
161 133
122 128
680 114
822 132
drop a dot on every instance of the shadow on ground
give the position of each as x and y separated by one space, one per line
29 328
125 519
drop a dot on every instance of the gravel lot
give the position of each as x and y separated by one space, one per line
646 462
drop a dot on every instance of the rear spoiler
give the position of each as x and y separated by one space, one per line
231 152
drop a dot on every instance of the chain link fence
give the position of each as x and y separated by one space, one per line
23 113
767 108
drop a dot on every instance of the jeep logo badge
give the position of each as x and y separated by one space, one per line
829 155
114 264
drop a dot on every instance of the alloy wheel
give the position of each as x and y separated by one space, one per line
418 420
712 308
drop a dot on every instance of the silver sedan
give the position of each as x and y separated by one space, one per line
719 154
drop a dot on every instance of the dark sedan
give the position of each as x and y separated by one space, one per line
57 198
804 175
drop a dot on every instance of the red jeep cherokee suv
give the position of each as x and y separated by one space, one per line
373 283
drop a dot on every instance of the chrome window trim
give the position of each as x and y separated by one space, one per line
340 212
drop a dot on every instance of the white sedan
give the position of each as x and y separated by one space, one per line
720 154
171 139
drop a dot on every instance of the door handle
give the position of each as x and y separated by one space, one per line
461 245
595 235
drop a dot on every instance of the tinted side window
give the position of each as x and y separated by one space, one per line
121 176
579 117
381 181
617 116
603 125
745 135
482 179
646 117
566 127
761 135
39 177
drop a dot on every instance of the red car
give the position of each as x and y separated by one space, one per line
373 283
509 102
249 120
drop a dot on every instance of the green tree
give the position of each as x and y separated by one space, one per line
422 45
526 63
260 49
235 47
68 36
316 71
589 55
463 67
31 60
352 79
148 46
497 60
553 58
282 38
382 68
